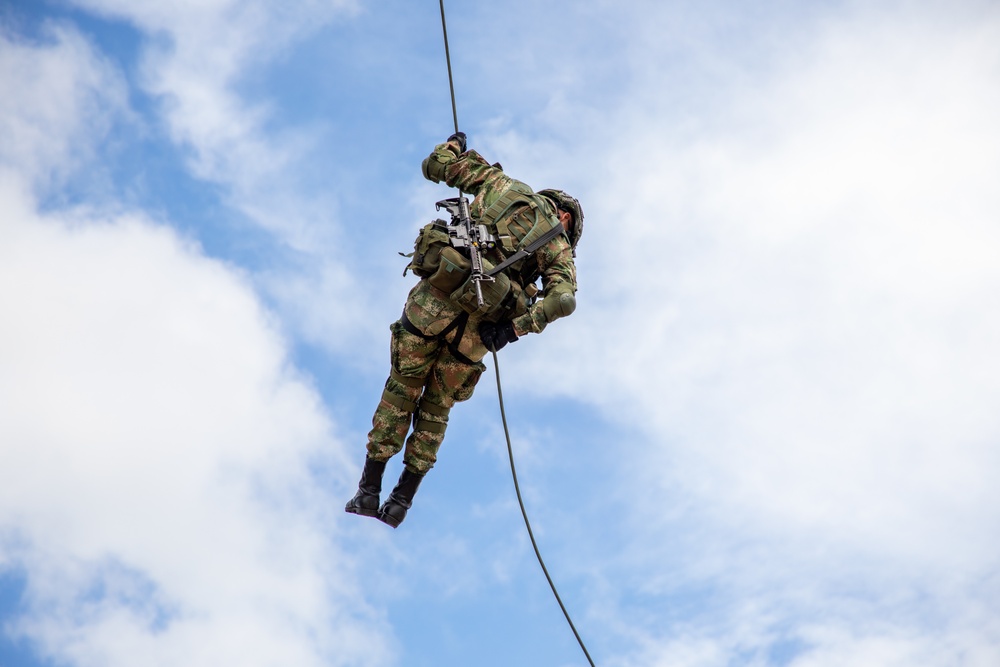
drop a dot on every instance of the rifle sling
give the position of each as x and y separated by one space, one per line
525 252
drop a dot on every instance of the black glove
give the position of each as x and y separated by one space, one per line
460 138
495 336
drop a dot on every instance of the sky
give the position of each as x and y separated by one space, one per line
767 437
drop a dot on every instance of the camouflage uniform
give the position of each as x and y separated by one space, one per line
430 371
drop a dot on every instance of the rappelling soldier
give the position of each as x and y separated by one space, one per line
450 320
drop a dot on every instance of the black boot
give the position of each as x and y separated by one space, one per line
365 501
393 510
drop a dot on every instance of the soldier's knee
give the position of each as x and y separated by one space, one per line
431 417
408 386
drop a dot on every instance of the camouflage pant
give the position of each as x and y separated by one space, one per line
425 382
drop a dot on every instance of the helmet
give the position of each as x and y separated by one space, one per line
571 205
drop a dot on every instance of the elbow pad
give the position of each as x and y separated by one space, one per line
433 169
558 305
434 164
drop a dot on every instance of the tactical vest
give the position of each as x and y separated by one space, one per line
522 222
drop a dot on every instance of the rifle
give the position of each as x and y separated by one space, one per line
473 238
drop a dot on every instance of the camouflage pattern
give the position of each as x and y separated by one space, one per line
427 378
553 263
443 380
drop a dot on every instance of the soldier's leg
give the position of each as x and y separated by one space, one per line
450 381
451 378
412 358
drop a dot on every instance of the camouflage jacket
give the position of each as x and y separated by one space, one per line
553 262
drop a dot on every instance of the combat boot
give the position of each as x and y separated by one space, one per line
393 510
365 501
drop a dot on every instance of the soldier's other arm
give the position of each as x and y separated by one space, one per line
555 260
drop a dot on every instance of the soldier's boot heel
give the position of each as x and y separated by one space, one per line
393 510
365 501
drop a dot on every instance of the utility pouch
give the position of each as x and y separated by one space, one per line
427 247
522 299
498 297
453 269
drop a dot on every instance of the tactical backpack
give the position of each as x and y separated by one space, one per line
426 256
435 259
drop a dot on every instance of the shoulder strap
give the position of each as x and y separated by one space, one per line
525 252
520 194
517 193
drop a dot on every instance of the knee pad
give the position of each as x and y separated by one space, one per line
433 409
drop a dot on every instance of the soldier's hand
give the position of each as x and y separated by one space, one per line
459 138
495 336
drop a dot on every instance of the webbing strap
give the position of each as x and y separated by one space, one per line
496 210
434 408
399 402
458 326
457 323
404 380
429 426
494 216
410 327
525 252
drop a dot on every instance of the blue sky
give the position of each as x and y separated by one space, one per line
767 437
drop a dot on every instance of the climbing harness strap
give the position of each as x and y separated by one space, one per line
457 325
410 327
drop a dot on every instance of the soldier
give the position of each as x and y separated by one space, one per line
438 343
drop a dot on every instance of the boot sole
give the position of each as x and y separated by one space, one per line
388 520
360 511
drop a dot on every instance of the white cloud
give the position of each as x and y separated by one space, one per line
60 102
816 292
157 453
196 57
788 289
196 61
158 493
794 298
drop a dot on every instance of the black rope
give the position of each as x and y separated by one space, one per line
503 413
527 524
447 57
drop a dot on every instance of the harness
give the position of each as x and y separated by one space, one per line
457 325
540 233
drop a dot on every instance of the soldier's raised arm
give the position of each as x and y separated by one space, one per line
466 170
